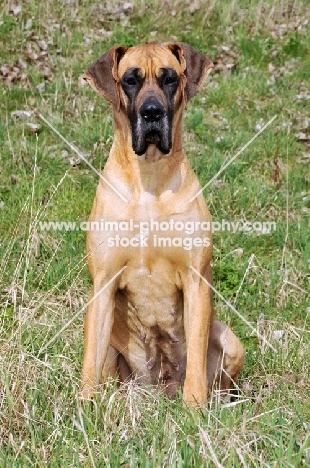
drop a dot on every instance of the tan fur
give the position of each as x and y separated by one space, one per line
155 321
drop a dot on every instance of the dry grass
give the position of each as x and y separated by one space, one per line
44 282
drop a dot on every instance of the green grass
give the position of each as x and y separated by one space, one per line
43 278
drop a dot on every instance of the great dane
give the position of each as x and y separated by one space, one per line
150 314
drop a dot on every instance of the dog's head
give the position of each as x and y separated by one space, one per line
149 83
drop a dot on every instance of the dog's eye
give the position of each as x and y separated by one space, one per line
169 80
130 81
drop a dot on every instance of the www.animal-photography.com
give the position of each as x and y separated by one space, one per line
154 233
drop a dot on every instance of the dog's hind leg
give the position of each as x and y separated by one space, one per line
115 367
225 356
110 368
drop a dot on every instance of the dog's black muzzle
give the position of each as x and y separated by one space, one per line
152 126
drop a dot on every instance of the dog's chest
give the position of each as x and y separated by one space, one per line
152 306
152 296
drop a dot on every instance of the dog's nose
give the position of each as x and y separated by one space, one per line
152 111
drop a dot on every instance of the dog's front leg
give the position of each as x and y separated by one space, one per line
97 332
197 318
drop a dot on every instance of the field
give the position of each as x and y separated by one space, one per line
261 51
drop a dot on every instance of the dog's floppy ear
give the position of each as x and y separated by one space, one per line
197 66
102 74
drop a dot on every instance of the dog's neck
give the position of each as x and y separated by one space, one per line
152 154
151 174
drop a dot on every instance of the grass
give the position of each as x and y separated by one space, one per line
43 277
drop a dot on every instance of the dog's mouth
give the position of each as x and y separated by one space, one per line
152 137
145 135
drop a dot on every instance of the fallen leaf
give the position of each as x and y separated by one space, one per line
13 178
5 69
251 28
272 68
230 66
219 139
43 45
127 6
40 87
222 62
194 6
33 127
22 63
302 95
15 9
28 24
277 334
303 136
46 71
218 183
74 161
31 54
259 125
304 159
247 388
64 154
11 74
22 114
